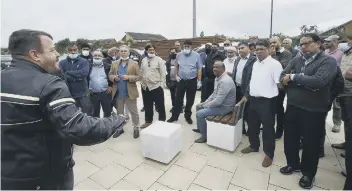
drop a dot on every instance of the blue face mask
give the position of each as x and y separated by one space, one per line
97 61
186 51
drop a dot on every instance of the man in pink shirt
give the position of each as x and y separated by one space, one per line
331 45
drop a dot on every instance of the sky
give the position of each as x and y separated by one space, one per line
99 19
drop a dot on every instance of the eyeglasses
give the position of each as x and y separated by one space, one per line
306 43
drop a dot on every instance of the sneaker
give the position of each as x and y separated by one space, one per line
249 149
135 133
336 129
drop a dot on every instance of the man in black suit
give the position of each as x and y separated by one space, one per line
241 74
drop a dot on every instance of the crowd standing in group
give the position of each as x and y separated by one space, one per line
258 74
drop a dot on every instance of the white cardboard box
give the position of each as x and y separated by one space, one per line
225 136
161 141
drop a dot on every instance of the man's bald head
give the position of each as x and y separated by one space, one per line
218 68
275 41
287 43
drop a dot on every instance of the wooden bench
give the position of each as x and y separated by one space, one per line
228 119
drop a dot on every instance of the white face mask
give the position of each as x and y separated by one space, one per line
73 56
151 55
97 61
85 52
343 46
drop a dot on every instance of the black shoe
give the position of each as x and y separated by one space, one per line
117 134
306 182
196 130
171 120
343 173
135 133
343 155
321 154
171 109
201 140
142 110
287 170
181 111
189 121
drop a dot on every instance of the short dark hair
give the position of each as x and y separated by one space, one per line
24 40
243 43
315 37
85 45
172 48
264 43
187 42
149 46
71 44
251 44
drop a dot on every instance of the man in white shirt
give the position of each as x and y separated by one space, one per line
230 60
263 89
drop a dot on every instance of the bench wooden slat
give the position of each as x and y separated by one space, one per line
217 119
210 118
226 119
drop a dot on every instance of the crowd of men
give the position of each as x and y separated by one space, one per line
258 74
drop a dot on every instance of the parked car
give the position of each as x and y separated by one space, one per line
5 61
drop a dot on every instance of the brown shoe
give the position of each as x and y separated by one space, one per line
145 125
248 150
339 146
267 162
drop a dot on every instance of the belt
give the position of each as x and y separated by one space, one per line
189 79
94 93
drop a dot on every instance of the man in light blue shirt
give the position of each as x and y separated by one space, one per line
219 103
188 75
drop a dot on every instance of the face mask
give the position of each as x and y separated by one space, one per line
186 51
344 46
124 58
226 48
73 56
207 50
97 61
151 55
85 52
173 56
114 58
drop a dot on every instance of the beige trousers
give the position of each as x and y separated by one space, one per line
132 107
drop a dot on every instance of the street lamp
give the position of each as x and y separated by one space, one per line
271 18
194 19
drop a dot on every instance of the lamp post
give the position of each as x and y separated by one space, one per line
271 18
194 19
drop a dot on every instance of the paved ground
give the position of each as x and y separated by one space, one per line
118 165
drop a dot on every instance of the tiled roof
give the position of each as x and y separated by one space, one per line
146 36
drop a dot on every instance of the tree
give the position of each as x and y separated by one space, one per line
62 45
309 29
97 44
81 41
202 34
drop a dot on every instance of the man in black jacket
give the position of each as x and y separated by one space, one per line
241 75
39 119
284 57
308 81
209 77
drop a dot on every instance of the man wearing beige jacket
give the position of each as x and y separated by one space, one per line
124 74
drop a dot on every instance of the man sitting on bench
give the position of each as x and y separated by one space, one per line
220 102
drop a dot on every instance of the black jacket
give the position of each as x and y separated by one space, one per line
108 60
209 63
89 58
246 74
39 124
107 67
311 91
283 57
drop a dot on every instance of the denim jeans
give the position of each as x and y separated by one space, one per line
202 113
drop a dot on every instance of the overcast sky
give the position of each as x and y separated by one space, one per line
94 19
